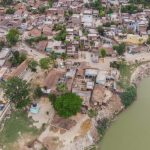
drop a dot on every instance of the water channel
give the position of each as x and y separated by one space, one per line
131 130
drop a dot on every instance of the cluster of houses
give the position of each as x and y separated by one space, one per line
79 32
91 84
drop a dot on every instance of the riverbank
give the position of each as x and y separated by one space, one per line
140 73
131 129
137 73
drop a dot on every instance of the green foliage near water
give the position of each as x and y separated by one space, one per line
68 104
102 126
128 96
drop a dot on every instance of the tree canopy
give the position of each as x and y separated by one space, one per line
45 63
103 52
17 58
120 48
32 65
68 104
17 91
12 36
128 96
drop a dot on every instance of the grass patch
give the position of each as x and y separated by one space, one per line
18 122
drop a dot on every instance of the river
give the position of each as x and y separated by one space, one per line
131 130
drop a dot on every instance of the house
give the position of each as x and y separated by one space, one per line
35 32
91 73
41 46
55 46
98 95
19 71
101 78
52 79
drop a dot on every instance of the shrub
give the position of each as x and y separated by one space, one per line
128 96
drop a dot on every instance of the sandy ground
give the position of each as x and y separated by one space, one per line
45 114
69 139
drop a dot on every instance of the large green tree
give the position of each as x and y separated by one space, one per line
12 36
17 91
68 104
129 95
45 63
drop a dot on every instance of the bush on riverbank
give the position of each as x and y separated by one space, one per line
128 96
102 126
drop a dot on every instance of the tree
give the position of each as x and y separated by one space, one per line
148 40
103 53
129 95
53 57
12 36
17 58
17 91
64 56
7 2
120 48
62 87
10 10
38 92
68 104
32 65
45 63
100 30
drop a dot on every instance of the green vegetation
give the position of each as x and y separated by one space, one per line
17 58
45 63
33 65
61 36
38 92
12 36
2 44
17 91
68 104
92 113
7 2
17 123
120 48
42 9
10 10
102 52
129 95
62 88
96 4
131 9
64 56
148 41
144 2
32 40
102 126
100 30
